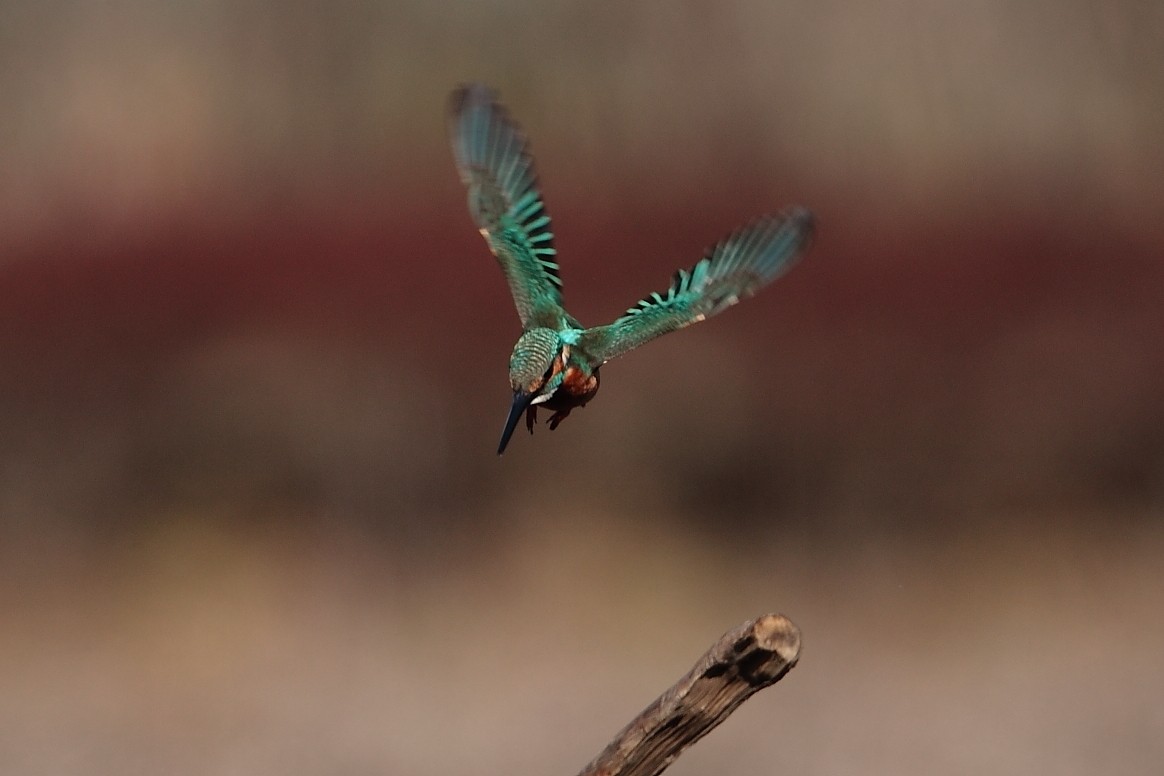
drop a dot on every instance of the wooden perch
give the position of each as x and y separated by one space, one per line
745 660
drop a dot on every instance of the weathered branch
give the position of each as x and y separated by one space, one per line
745 660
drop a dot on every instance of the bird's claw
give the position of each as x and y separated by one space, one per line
557 418
531 417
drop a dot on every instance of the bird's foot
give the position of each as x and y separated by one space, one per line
531 417
557 418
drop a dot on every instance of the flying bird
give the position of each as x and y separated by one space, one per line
556 359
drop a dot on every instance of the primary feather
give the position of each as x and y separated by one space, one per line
737 267
494 161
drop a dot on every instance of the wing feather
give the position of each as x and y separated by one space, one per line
737 267
495 164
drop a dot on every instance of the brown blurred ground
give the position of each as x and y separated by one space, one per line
250 518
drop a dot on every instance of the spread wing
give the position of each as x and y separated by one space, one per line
736 268
494 161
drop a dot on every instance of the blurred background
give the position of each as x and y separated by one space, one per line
254 370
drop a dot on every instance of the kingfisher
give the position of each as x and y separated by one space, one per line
556 359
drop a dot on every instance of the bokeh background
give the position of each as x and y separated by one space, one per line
252 373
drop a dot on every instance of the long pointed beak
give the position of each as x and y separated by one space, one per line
521 400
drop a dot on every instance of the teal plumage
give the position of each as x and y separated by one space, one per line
493 158
532 355
736 268
556 360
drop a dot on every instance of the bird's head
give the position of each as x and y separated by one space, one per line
535 373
